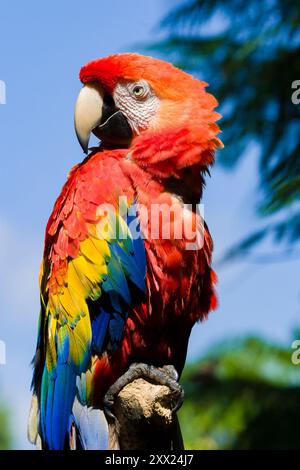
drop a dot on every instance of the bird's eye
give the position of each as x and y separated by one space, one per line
138 91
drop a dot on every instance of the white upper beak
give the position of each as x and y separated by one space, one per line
88 112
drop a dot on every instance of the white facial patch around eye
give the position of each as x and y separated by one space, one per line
139 109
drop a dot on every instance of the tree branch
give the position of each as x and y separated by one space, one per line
145 418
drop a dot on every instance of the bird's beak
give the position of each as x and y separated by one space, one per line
95 111
88 112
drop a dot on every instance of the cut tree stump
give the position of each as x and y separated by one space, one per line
145 419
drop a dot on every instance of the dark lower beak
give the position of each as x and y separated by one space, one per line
96 112
113 130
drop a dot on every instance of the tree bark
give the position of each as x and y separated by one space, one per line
145 419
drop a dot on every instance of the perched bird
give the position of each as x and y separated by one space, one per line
121 283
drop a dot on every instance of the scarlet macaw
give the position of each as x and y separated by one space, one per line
110 300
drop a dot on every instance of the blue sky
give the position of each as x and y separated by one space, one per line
42 47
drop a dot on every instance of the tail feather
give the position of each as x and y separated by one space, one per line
32 427
91 427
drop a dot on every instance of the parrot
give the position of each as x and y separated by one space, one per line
121 284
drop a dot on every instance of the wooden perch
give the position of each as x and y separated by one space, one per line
145 418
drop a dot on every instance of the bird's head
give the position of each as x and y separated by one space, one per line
128 96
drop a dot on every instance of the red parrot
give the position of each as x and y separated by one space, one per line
119 288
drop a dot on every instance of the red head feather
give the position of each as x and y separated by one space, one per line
186 118
167 80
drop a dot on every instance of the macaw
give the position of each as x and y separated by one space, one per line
113 299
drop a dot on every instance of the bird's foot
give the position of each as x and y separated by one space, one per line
166 375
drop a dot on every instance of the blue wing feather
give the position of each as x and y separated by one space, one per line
99 328
126 268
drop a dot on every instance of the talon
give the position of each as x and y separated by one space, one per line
109 415
108 406
178 394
